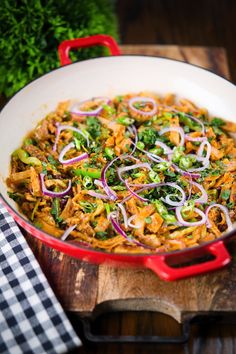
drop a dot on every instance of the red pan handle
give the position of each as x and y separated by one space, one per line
100 39
159 264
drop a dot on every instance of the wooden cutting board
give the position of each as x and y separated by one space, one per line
83 287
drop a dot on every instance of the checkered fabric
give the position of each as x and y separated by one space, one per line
31 318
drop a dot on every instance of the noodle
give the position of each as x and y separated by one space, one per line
120 129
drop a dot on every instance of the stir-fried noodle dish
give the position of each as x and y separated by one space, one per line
135 174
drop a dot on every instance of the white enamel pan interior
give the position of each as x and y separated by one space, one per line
108 76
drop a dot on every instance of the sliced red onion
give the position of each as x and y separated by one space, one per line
111 194
225 211
155 158
191 138
204 196
128 168
201 149
133 167
76 107
185 173
140 99
97 195
168 200
98 183
190 188
124 214
134 193
132 225
73 159
60 128
186 223
191 117
67 232
205 162
119 230
174 129
152 156
167 149
132 129
45 191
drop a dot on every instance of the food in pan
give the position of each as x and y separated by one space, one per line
136 174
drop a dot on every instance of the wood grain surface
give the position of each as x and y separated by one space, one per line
88 289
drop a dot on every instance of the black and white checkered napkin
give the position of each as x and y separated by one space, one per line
31 318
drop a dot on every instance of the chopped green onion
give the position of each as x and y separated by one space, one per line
109 153
148 220
140 145
87 182
89 172
188 207
169 218
162 166
186 162
154 177
157 151
162 210
25 158
125 120
110 110
178 152
160 207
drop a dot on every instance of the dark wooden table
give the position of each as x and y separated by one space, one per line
136 302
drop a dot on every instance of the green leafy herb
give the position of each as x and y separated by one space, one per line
170 174
17 197
225 194
44 170
94 126
189 122
230 205
88 207
37 27
79 140
55 210
101 235
148 136
52 161
217 122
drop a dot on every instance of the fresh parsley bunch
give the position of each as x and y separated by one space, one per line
31 30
